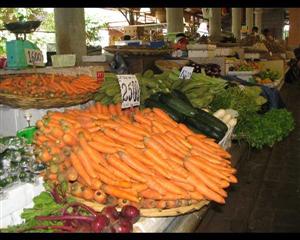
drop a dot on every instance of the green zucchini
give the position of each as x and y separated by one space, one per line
178 104
200 127
182 96
175 115
211 120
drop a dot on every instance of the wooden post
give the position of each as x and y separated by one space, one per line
236 22
215 24
175 20
249 18
70 32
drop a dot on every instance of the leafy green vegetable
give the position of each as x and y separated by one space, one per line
266 130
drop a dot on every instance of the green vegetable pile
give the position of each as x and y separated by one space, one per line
266 130
17 162
200 89
246 100
273 75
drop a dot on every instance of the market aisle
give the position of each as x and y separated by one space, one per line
267 197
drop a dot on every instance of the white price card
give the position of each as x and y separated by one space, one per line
130 90
186 72
34 57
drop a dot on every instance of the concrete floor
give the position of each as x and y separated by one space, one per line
267 197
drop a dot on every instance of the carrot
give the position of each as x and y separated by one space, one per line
54 150
100 196
69 139
196 195
105 110
184 186
118 173
138 187
161 204
156 146
201 187
72 174
103 139
152 155
45 156
151 194
57 132
178 169
117 192
96 184
205 179
170 186
87 193
135 164
159 126
138 116
129 134
99 107
152 184
112 110
79 168
123 202
102 148
175 159
124 168
76 189
52 176
169 141
138 154
185 130
165 117
103 171
148 203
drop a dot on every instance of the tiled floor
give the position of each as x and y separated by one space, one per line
267 197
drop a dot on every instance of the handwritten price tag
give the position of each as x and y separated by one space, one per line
130 90
34 57
186 72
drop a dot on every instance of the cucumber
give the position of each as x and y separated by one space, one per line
175 115
216 123
182 96
200 127
178 104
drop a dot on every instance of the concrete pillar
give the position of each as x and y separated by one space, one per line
258 18
215 24
70 32
294 32
236 22
175 19
249 18
160 14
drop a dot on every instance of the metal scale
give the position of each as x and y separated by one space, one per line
15 49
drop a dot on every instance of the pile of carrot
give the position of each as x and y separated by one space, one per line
141 157
48 85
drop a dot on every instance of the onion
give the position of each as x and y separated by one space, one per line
123 225
111 213
100 222
130 212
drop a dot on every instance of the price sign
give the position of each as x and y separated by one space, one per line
34 57
186 72
100 76
130 90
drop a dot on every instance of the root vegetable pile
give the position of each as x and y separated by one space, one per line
48 85
142 158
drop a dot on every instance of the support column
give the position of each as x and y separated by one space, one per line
236 22
258 18
294 32
175 19
215 24
249 18
70 32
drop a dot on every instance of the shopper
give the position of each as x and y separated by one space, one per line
293 74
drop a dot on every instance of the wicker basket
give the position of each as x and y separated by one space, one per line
154 212
23 102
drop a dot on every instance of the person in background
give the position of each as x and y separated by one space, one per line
267 35
254 31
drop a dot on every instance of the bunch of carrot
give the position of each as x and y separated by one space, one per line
142 158
48 85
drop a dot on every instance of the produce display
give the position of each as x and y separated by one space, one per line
181 110
200 89
228 116
53 211
17 162
48 85
244 66
265 77
143 158
213 70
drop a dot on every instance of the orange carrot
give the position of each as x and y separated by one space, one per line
117 192
72 174
156 146
79 168
165 117
87 193
100 196
151 194
138 187
102 148
129 134
96 184
86 162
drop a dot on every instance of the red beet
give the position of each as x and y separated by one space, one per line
111 213
100 222
131 213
